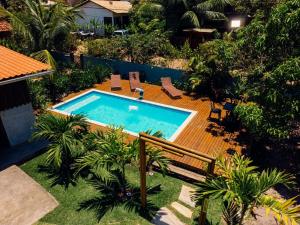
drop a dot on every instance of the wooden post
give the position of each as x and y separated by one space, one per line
143 172
203 213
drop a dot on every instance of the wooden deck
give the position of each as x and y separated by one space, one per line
200 134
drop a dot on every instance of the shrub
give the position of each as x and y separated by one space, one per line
107 48
100 72
81 79
38 94
57 85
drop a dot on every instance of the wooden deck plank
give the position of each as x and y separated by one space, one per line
200 134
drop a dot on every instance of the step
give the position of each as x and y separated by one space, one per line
186 212
164 216
185 195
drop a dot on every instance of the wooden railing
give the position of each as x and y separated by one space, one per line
177 150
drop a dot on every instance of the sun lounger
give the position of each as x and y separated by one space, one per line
168 87
115 82
134 80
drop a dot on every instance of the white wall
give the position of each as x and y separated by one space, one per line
90 11
18 122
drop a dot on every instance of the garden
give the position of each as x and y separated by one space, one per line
95 175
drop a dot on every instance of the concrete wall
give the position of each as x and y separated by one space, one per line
18 122
148 73
90 11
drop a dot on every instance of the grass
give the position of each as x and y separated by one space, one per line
68 212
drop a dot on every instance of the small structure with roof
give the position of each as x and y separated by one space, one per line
5 28
16 112
103 12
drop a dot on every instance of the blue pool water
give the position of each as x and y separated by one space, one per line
134 115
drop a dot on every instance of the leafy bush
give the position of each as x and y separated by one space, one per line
57 85
81 79
38 94
139 48
100 72
211 66
107 48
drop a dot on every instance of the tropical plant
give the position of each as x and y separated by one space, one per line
38 94
211 65
187 14
106 152
43 27
242 188
277 105
64 134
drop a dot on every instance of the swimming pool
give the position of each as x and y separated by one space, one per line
105 108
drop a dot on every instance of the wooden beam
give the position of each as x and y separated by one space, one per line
144 135
178 150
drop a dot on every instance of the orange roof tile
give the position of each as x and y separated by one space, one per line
14 64
5 26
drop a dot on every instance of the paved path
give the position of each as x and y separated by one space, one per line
22 200
167 216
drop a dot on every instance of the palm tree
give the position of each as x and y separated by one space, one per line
108 152
242 187
64 135
44 28
105 152
188 14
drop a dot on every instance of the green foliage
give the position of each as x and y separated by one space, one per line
278 104
100 72
179 14
81 79
212 63
107 48
242 188
146 17
42 28
56 85
38 94
251 115
282 31
64 135
140 48
253 6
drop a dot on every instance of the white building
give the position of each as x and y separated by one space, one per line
103 12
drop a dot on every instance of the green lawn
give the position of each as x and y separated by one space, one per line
68 213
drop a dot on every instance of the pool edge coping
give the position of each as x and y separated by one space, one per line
171 139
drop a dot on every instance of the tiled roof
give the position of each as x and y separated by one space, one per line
5 26
114 6
14 64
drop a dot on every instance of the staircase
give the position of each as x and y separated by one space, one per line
182 208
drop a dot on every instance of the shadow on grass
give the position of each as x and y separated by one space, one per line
64 176
119 193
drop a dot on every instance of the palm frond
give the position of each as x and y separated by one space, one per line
215 5
45 57
213 15
190 19
17 25
271 178
286 212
